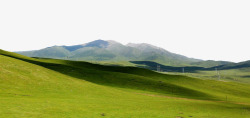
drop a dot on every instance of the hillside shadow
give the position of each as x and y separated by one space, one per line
98 75
159 67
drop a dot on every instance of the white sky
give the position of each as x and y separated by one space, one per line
204 29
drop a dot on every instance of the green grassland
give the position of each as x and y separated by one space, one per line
241 75
31 87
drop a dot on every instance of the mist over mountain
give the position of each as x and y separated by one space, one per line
101 50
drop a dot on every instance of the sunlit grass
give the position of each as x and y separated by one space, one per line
29 88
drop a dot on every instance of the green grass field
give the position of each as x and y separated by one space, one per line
233 75
241 75
32 87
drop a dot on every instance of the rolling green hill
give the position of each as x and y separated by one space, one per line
163 68
33 87
245 64
236 72
210 63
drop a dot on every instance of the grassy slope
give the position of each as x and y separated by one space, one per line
29 90
210 63
241 75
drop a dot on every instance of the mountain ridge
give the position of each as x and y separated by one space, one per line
112 51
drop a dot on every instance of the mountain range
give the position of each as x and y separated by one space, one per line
112 51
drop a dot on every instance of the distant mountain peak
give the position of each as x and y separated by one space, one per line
112 41
143 46
97 43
